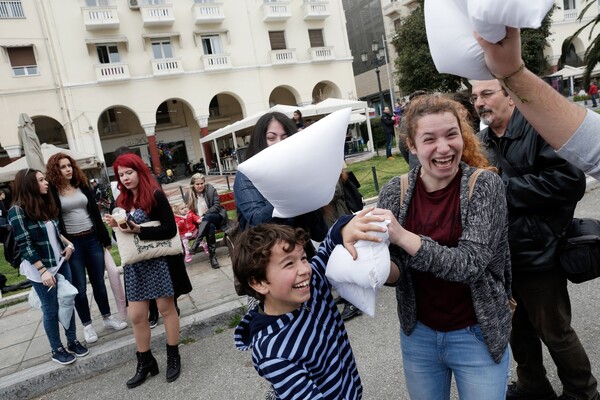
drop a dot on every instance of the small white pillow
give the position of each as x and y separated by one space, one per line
299 174
132 249
358 280
450 25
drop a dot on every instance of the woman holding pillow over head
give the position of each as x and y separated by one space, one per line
252 208
451 257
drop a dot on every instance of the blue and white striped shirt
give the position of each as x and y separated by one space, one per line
305 354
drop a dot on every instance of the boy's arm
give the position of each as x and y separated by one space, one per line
288 379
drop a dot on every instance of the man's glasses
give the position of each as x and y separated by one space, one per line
486 94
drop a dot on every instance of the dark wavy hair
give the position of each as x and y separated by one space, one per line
258 140
146 187
55 177
26 194
428 104
253 252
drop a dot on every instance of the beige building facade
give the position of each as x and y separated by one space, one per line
95 75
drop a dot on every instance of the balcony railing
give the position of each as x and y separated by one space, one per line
167 66
100 18
209 13
157 15
216 62
112 72
315 10
285 56
321 53
570 15
11 9
278 11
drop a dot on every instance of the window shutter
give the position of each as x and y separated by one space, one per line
315 36
277 39
21 56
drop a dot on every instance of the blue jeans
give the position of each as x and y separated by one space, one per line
89 255
431 357
388 144
213 220
50 311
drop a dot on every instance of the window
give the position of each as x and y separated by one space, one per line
397 24
316 38
161 49
22 60
108 120
277 39
569 5
204 1
211 44
153 2
97 3
11 9
108 53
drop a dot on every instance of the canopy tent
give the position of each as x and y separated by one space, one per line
572 73
84 161
241 128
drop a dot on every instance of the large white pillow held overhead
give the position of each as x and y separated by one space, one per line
299 174
450 25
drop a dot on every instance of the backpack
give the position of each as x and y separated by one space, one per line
12 251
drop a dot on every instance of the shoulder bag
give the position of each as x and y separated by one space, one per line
132 249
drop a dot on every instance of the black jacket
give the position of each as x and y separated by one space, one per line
387 123
541 195
92 209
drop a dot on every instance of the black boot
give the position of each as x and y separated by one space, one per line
212 248
146 364
173 363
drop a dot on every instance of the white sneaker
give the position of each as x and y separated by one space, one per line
114 323
89 334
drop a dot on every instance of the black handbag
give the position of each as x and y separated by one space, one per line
580 250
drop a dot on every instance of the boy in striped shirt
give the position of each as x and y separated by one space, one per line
297 337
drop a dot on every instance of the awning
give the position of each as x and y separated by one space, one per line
108 39
156 35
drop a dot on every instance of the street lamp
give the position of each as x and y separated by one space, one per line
378 56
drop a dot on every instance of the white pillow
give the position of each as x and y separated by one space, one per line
450 25
358 280
299 174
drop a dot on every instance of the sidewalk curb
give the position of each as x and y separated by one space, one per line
50 376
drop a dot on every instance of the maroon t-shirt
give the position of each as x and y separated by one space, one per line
441 305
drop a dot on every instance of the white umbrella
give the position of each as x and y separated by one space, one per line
31 143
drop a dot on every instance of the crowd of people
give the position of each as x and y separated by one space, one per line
474 229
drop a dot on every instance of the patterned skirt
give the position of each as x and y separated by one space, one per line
149 279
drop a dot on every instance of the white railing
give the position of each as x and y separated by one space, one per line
111 72
279 11
314 10
209 13
100 18
321 53
285 56
167 66
216 62
11 9
157 15
570 15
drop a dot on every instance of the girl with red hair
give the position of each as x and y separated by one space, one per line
161 278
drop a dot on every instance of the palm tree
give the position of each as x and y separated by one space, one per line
592 53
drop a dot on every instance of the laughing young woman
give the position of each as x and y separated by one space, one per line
451 257
80 218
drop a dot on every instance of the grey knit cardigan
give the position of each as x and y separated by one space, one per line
481 259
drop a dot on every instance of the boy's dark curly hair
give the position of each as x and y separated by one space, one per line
253 251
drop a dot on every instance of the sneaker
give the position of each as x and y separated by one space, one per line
188 258
153 320
350 311
78 349
62 356
114 323
90 334
514 393
391 158
205 247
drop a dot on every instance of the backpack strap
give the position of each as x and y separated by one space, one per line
472 180
403 187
